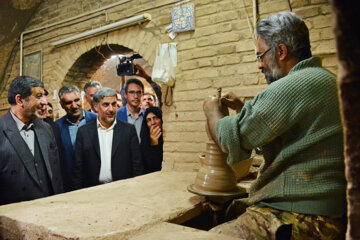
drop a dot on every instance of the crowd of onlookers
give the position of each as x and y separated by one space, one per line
121 136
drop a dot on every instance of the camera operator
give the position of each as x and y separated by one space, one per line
127 67
157 89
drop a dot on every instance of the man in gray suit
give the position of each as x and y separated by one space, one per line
29 158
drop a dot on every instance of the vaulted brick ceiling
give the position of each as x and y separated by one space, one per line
14 15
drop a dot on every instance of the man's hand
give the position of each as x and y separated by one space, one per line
155 133
141 72
213 113
230 100
212 110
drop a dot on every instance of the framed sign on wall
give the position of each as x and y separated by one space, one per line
183 18
33 65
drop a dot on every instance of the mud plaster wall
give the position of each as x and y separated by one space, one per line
219 53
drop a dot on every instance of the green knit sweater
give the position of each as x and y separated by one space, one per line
296 122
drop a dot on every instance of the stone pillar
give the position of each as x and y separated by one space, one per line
346 15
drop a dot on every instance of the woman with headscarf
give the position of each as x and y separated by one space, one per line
152 140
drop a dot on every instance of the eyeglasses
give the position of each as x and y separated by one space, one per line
261 55
133 93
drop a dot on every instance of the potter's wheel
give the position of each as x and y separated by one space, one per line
235 193
215 179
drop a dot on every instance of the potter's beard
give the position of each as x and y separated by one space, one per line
273 73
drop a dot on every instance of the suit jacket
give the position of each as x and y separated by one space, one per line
57 134
18 176
66 141
121 114
126 159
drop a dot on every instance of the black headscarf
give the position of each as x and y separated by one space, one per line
151 155
154 110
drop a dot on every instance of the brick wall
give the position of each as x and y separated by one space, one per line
219 53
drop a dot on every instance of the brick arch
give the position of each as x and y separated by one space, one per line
137 39
68 59
89 62
72 65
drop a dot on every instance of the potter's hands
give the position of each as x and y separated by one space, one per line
155 133
213 113
230 100
141 72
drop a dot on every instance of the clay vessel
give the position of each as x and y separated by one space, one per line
202 159
242 168
215 175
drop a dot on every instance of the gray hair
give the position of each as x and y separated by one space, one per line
286 28
68 89
91 84
22 85
103 92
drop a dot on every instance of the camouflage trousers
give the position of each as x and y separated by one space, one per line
270 223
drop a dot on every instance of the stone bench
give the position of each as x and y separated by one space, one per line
145 207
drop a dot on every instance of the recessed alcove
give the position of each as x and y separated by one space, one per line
99 64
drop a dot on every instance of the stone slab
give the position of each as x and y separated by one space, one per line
166 231
112 211
145 207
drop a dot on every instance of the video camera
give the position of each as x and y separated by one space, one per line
126 66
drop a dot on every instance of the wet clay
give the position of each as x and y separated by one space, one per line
215 176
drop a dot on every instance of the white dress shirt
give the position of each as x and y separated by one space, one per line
105 142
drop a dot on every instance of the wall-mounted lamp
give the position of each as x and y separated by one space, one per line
120 24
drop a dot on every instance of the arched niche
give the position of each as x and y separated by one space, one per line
91 65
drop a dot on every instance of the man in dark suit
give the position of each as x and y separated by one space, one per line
29 158
46 114
106 149
70 100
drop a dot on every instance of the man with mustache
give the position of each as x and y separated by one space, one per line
29 158
70 100
90 88
148 100
106 150
300 190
